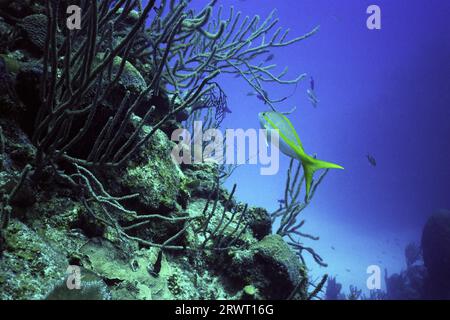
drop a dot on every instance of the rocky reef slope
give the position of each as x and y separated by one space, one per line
148 229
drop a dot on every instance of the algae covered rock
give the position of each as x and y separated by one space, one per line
128 275
18 150
155 176
259 222
29 266
22 8
133 276
202 180
216 221
7 104
270 266
5 31
130 79
89 287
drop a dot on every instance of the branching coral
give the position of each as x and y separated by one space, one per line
333 291
227 231
318 288
81 70
5 203
229 45
355 293
111 211
75 86
291 208
77 75
215 103
219 235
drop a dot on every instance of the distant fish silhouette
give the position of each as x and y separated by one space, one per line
372 160
333 248
263 96
348 270
227 110
312 97
237 75
281 203
269 58
312 84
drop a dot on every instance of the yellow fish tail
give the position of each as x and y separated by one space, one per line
311 165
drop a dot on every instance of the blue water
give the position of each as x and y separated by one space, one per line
384 92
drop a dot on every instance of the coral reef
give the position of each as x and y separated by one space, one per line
87 177
333 290
427 279
290 209
426 265
413 253
436 254
407 285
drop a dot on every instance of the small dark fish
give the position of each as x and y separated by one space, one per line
227 110
312 84
269 58
281 203
156 267
348 270
333 248
237 75
251 94
372 160
312 97
263 96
